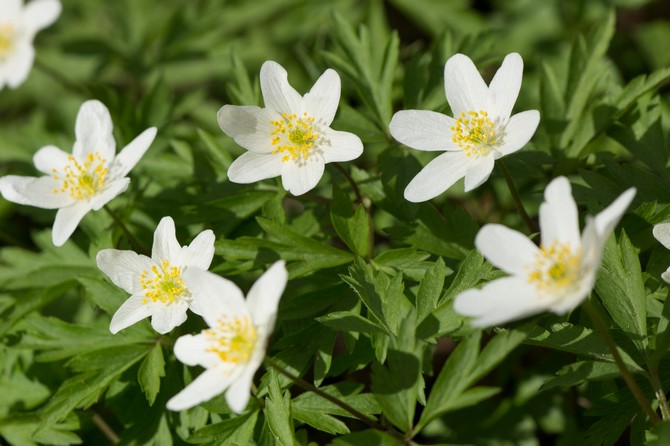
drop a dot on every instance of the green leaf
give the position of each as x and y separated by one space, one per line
348 321
235 430
574 374
150 373
430 289
621 289
278 412
660 434
105 295
366 438
353 227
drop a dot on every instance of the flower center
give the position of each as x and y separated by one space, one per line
294 137
164 284
474 133
556 268
232 338
82 180
6 39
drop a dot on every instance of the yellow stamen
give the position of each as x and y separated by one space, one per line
6 39
232 339
82 180
162 284
556 268
474 133
294 137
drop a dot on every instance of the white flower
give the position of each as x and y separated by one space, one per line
18 26
480 132
85 180
232 349
662 234
157 285
291 136
555 277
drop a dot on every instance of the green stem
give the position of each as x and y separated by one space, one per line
311 388
515 196
354 186
60 78
660 394
625 373
137 246
105 428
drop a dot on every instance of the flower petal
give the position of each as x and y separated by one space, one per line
49 158
200 252
606 220
251 167
479 171
500 301
66 222
341 146
662 234
518 131
277 93
423 130
32 191
12 10
505 248
505 85
322 100
133 152
168 316
249 126
213 295
166 246
19 63
196 350
38 14
207 385
666 275
465 89
300 178
130 312
559 220
123 267
438 176
263 297
93 131
237 395
110 191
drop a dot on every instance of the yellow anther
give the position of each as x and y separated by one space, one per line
293 136
7 36
164 285
556 268
474 132
232 339
82 181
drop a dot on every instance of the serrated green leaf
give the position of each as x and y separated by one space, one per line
105 295
150 373
353 227
236 430
348 321
278 412
578 372
430 289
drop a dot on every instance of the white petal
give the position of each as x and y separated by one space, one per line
464 86
666 275
322 100
129 313
110 191
121 266
575 296
166 246
500 301
438 176
505 85
19 63
93 131
559 220
168 316
662 234
479 171
263 297
213 296
133 152
341 146
518 131
302 178
12 10
251 167
49 158
505 248
34 191
606 221
207 385
249 126
196 350
237 395
66 222
200 252
277 93
423 130
38 14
